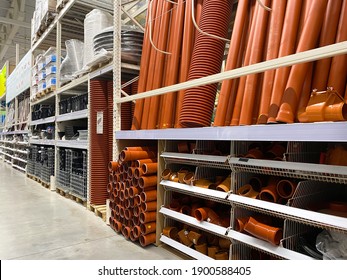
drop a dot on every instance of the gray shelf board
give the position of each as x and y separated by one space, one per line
286 212
184 249
197 159
48 96
45 142
74 83
308 132
15 132
73 116
75 144
214 195
267 247
43 121
216 229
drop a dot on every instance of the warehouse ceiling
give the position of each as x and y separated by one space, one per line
15 26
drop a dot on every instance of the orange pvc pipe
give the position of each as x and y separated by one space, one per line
187 50
144 63
135 155
275 31
287 46
256 56
338 70
149 168
169 99
242 82
306 92
298 72
232 62
146 217
148 239
156 20
327 37
159 65
146 182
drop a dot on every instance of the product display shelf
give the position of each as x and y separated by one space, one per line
44 142
74 144
72 12
82 114
16 132
307 171
184 249
213 195
43 121
196 159
333 132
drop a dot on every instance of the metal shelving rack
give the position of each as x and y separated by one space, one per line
301 132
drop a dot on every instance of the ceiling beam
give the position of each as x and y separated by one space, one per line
14 22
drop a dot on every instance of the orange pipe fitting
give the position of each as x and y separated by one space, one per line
171 232
202 248
269 193
286 188
146 182
188 178
232 62
225 185
256 56
324 106
275 151
135 155
287 47
202 183
183 237
263 231
327 37
308 39
224 243
207 214
149 206
144 66
149 168
240 223
273 44
165 175
148 228
222 255
211 251
257 182
175 205
196 238
148 239
254 153
247 190
186 210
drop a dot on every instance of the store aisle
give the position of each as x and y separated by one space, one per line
36 223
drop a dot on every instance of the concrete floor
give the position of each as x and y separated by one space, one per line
39 224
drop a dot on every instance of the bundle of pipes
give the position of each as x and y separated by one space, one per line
169 56
132 192
285 94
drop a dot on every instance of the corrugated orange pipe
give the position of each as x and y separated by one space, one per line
287 46
159 65
327 37
242 82
146 49
232 60
186 56
256 56
338 70
169 99
275 31
298 72
156 20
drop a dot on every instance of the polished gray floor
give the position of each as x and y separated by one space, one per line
39 224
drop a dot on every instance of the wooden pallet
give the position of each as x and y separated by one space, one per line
78 200
62 192
99 210
45 184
